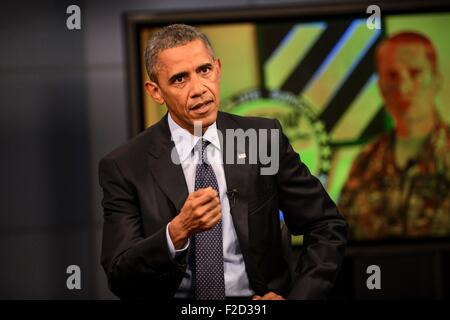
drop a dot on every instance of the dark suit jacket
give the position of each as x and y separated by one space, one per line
143 190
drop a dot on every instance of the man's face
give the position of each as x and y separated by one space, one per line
188 83
406 80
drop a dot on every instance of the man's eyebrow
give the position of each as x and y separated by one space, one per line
177 75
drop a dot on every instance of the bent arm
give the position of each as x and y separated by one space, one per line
308 210
136 266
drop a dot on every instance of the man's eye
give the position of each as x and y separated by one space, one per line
392 75
414 72
178 79
205 70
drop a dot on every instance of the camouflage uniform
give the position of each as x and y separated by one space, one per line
381 200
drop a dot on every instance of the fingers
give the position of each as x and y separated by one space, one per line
201 211
216 215
205 202
268 296
210 206
199 192
202 196
208 218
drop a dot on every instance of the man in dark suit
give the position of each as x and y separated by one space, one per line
180 222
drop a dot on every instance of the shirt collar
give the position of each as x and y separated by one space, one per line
185 141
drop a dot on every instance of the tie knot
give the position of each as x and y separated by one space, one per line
200 147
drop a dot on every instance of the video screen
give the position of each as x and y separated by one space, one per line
368 117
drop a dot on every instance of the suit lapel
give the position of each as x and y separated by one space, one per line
168 175
236 176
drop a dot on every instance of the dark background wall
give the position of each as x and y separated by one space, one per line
46 211
63 106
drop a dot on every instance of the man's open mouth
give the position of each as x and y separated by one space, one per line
201 105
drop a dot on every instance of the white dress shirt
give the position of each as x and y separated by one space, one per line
236 280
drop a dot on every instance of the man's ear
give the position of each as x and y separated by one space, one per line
219 67
153 90
381 87
437 81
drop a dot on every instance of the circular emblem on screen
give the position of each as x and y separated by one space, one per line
306 132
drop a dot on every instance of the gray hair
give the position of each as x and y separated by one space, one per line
172 36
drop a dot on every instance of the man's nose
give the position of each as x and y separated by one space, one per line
405 85
197 87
